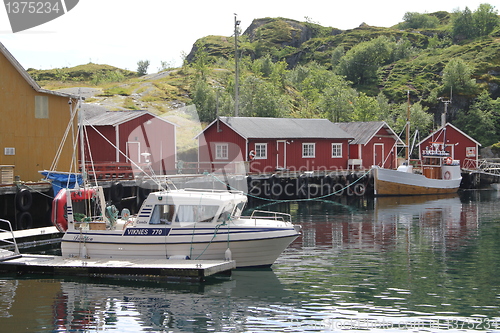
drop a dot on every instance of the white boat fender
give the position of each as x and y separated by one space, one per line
228 255
84 252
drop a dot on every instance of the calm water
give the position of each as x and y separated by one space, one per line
419 264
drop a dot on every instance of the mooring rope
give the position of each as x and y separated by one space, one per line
298 199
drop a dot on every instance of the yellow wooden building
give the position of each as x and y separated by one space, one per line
32 122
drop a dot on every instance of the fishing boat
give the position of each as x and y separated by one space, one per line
438 173
178 224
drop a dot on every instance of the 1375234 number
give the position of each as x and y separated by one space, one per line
32 7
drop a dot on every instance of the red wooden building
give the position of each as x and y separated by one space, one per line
375 143
254 144
460 146
130 137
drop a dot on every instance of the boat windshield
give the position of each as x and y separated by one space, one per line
196 213
162 214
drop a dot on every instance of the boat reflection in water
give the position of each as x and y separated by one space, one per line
84 305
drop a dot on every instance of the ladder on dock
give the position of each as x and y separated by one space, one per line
9 242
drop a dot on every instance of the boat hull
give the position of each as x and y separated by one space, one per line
257 247
394 182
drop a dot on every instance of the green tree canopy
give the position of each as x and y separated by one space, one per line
457 76
142 67
469 24
360 64
413 20
481 120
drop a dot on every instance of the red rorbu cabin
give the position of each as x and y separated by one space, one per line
459 145
375 143
255 144
130 138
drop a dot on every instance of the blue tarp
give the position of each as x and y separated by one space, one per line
62 180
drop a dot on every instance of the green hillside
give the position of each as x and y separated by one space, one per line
289 68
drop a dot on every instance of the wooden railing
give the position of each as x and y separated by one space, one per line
110 171
484 166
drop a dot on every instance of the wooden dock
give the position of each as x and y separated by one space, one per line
30 237
150 269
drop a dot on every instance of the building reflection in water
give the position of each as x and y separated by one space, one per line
386 222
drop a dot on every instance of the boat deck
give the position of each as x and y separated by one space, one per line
151 269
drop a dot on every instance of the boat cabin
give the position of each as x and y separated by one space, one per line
186 206
159 208
436 162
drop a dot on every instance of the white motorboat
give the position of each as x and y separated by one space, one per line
187 223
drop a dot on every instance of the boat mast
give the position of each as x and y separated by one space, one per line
82 145
408 131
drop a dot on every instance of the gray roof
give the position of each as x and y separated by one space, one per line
96 115
285 128
113 118
363 132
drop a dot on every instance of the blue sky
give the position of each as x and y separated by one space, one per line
122 32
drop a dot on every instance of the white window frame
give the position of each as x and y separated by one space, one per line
221 151
337 147
261 152
308 145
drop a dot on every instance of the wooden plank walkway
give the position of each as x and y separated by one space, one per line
154 269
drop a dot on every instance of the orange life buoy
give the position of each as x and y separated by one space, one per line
59 219
448 161
251 155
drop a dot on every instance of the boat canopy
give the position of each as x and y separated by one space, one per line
62 180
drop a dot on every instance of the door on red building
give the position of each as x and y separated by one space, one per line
378 154
133 151
281 154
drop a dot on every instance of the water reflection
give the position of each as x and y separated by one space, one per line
405 257
383 223
385 264
83 304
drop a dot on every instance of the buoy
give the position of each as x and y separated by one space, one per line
228 255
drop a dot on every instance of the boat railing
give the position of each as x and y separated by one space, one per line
265 214
197 190
435 152
7 241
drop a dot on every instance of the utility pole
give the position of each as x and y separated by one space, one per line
446 103
237 70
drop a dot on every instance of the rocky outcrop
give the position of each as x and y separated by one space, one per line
265 34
